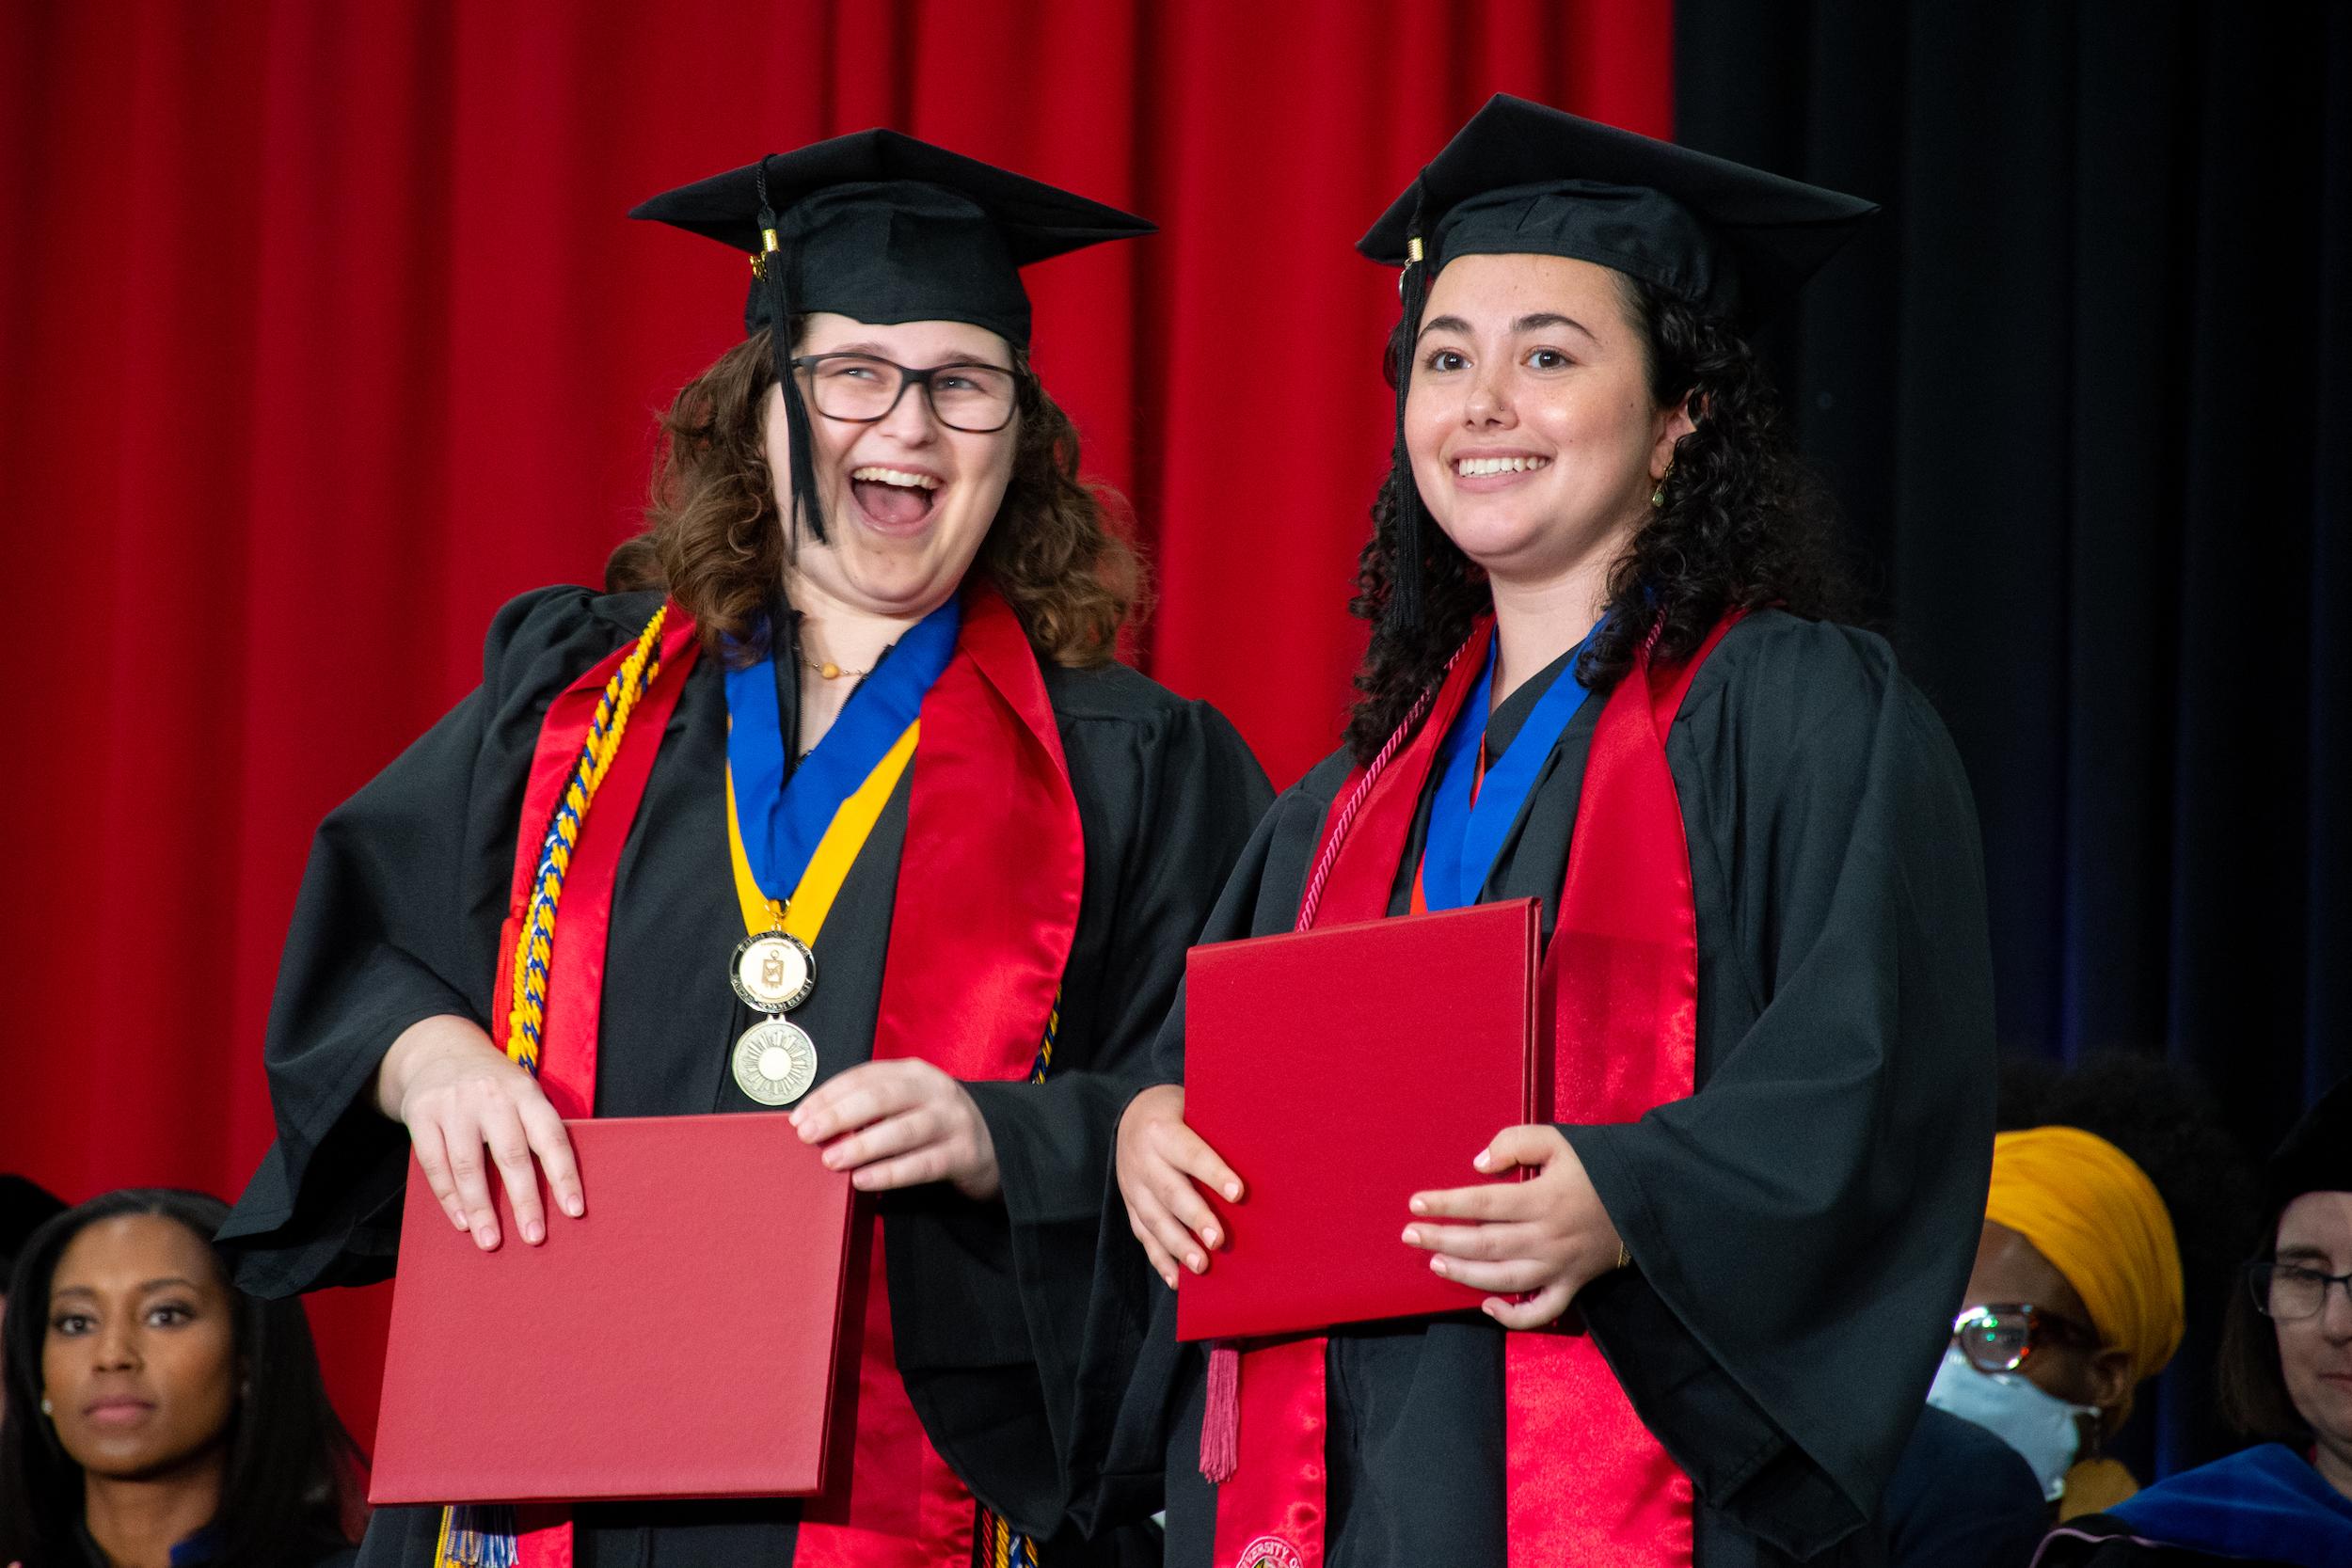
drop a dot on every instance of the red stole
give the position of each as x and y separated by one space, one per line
1586 1483
979 939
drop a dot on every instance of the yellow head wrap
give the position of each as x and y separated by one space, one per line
2097 1218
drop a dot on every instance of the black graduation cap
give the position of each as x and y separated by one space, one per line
1522 179
883 228
2316 1157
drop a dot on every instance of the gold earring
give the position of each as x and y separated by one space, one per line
1657 497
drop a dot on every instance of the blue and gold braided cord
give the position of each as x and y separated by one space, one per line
1000 1545
1045 1047
482 1535
477 1535
536 949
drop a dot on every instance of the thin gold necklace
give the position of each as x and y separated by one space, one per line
830 671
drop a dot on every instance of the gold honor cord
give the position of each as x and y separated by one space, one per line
775 967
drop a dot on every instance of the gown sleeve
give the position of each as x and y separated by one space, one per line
1132 1372
397 921
1802 1226
990 1343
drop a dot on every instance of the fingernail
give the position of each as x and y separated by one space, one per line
1489 1308
1479 1159
458 1219
1437 1265
1418 1207
572 1206
1207 1237
1413 1236
1197 1263
487 1239
1233 1190
534 1233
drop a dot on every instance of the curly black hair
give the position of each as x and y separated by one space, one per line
1741 522
2160 1114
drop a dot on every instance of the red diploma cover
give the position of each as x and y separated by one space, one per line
1422 1036
680 1340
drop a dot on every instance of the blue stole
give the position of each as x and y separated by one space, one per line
2264 1502
782 822
1466 836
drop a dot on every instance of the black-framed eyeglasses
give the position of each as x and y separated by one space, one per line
2002 1337
2292 1292
865 388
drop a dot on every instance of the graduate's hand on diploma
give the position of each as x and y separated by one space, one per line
457 1094
1160 1159
1545 1237
900 1124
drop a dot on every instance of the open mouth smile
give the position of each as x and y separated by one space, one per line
894 501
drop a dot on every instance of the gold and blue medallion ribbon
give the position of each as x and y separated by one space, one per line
783 823
791 841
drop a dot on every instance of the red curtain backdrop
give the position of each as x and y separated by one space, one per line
322 334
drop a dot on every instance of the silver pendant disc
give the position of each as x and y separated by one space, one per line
775 1061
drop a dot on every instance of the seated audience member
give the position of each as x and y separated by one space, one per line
2106 1175
158 1418
1961 1499
2286 1377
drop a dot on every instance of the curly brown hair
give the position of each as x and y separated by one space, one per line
1741 522
714 538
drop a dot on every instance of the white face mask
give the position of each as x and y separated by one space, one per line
2041 1426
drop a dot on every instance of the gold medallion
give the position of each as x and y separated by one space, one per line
775 1061
773 971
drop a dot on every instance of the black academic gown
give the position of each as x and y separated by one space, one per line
398 920
1800 1226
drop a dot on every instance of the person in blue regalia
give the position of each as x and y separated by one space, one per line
2286 1377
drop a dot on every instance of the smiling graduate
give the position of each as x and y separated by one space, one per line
913 856
1604 672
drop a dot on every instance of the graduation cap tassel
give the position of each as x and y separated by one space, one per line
1405 566
775 265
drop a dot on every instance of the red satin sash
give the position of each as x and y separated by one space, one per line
1586 1483
967 984
978 938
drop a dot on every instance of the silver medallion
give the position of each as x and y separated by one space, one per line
775 1061
773 971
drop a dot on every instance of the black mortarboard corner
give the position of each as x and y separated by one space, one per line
25 1206
2316 1157
883 228
1522 179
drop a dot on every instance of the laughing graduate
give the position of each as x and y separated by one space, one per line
906 851
1602 674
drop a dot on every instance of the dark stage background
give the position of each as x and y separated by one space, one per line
324 335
